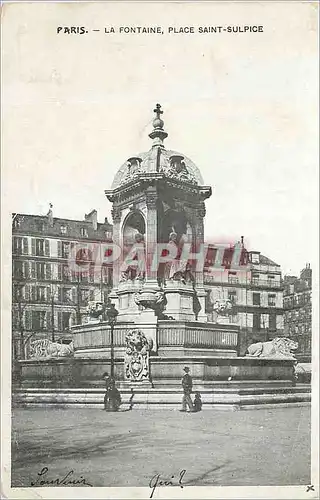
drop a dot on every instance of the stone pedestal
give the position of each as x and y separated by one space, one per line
127 307
224 320
201 294
179 301
147 323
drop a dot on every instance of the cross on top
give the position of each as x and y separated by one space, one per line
158 110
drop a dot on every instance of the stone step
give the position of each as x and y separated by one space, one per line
261 388
147 399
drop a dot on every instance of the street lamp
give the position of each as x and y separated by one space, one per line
111 313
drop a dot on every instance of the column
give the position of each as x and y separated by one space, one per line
116 217
152 232
198 239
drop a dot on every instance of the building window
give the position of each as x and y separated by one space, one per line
256 321
20 245
84 232
18 269
65 249
16 222
255 278
107 272
39 247
272 322
67 295
232 277
108 235
63 229
232 296
41 293
40 226
271 300
39 320
17 245
41 271
255 258
256 299
66 273
84 297
66 321
18 293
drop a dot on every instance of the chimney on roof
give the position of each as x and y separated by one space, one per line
93 218
242 241
50 215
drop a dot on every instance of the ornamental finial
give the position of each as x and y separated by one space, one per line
158 134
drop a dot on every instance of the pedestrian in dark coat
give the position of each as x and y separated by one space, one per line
187 390
110 383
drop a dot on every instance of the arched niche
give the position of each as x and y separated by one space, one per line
176 221
133 225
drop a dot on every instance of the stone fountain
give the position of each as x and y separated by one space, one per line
158 198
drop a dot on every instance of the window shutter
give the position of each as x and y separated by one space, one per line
59 248
60 272
33 270
27 292
15 319
60 321
48 321
25 246
33 246
48 271
91 274
47 248
28 320
73 319
26 270
74 295
91 294
34 293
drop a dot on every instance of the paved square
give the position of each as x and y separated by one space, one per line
243 448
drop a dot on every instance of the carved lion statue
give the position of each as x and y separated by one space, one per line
137 341
223 307
44 348
279 347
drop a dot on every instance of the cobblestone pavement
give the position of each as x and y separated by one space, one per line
242 448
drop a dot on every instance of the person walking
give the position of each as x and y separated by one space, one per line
187 390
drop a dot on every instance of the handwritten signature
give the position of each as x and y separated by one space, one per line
157 480
64 481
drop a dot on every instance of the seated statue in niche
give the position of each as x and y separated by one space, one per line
138 271
178 269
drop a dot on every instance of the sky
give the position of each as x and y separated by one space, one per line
243 107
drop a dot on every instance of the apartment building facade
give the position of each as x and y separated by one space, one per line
47 296
297 302
256 291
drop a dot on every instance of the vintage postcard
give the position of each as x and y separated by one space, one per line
160 292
